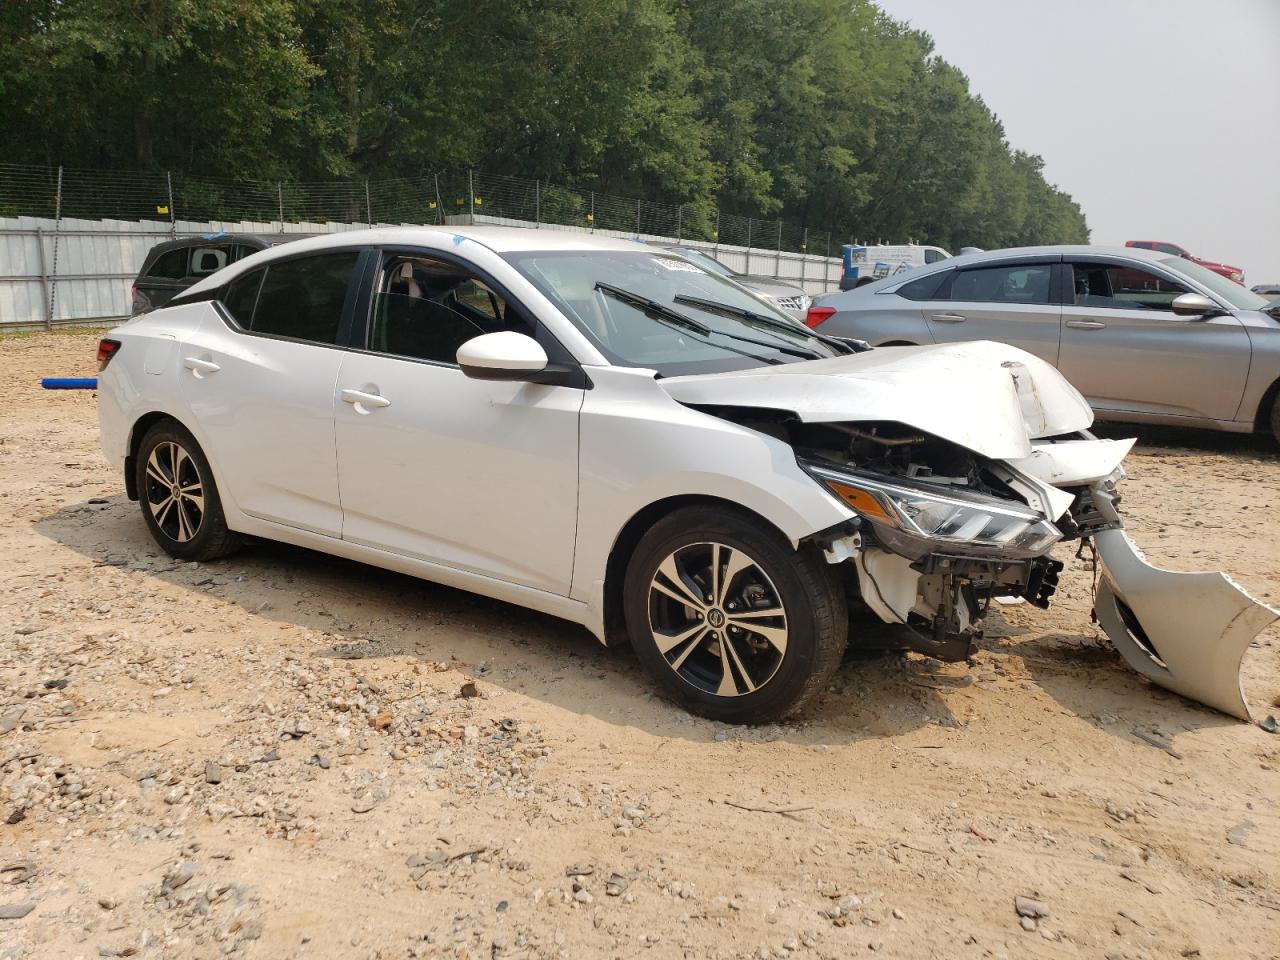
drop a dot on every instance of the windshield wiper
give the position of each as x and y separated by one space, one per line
674 318
760 319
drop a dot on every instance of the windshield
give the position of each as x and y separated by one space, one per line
705 261
629 335
1228 290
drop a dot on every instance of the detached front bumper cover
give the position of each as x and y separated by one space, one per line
1187 632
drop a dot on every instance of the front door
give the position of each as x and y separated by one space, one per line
477 475
259 376
1007 302
1126 351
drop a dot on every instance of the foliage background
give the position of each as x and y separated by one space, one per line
825 113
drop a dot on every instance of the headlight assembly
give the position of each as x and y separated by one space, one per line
914 519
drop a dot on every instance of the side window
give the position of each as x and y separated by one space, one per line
926 288
242 296
1122 287
171 265
205 260
302 299
1018 283
933 256
425 309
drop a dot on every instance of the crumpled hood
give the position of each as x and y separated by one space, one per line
988 397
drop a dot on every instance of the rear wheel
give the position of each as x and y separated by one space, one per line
179 498
1275 418
730 619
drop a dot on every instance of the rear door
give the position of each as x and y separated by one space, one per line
1125 350
1009 302
259 376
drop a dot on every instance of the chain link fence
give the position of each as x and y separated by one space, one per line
49 217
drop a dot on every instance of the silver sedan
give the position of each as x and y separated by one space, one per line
1144 336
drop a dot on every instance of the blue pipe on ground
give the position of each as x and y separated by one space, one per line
70 383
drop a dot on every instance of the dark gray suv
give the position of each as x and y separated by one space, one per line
174 265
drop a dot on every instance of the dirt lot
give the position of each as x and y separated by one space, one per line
273 756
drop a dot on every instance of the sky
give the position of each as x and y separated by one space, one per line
1160 117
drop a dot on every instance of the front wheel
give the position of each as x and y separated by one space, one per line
179 498
1275 418
729 618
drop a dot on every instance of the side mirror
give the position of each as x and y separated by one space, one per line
502 356
1195 306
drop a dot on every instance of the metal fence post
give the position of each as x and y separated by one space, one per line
537 203
280 201
173 227
804 256
717 237
44 279
679 211
591 217
471 199
777 260
748 270
637 219
368 204
53 275
826 266
439 200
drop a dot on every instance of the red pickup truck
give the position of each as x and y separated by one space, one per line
1231 273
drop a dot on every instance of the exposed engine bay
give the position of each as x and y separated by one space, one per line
941 531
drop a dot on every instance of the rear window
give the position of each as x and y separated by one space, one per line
1017 283
242 296
300 299
205 260
925 288
171 265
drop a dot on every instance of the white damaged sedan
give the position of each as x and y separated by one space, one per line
611 434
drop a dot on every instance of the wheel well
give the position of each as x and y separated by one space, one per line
140 428
899 343
629 537
1262 421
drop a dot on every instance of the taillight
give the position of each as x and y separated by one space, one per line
817 315
106 350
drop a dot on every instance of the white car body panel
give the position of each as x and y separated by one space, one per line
1074 462
474 474
1197 625
947 390
520 491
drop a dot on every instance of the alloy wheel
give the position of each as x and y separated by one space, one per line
717 619
175 491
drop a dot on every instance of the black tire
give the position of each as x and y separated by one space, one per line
182 529
1275 418
768 684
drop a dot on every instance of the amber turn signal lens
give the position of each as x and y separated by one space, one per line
862 501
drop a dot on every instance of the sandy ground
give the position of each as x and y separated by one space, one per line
276 756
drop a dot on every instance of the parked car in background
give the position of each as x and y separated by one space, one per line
173 266
605 432
1269 290
862 264
1144 336
1234 274
788 297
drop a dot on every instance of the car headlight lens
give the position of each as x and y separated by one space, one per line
913 518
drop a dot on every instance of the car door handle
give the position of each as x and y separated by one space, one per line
358 398
201 368
947 317
1086 324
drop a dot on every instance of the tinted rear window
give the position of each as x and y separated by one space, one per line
925 288
242 296
171 265
302 299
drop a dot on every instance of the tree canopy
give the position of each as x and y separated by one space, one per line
827 113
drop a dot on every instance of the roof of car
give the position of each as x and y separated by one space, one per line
497 239
1136 253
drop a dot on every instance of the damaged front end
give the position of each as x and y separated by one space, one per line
941 531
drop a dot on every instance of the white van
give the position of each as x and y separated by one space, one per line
863 264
